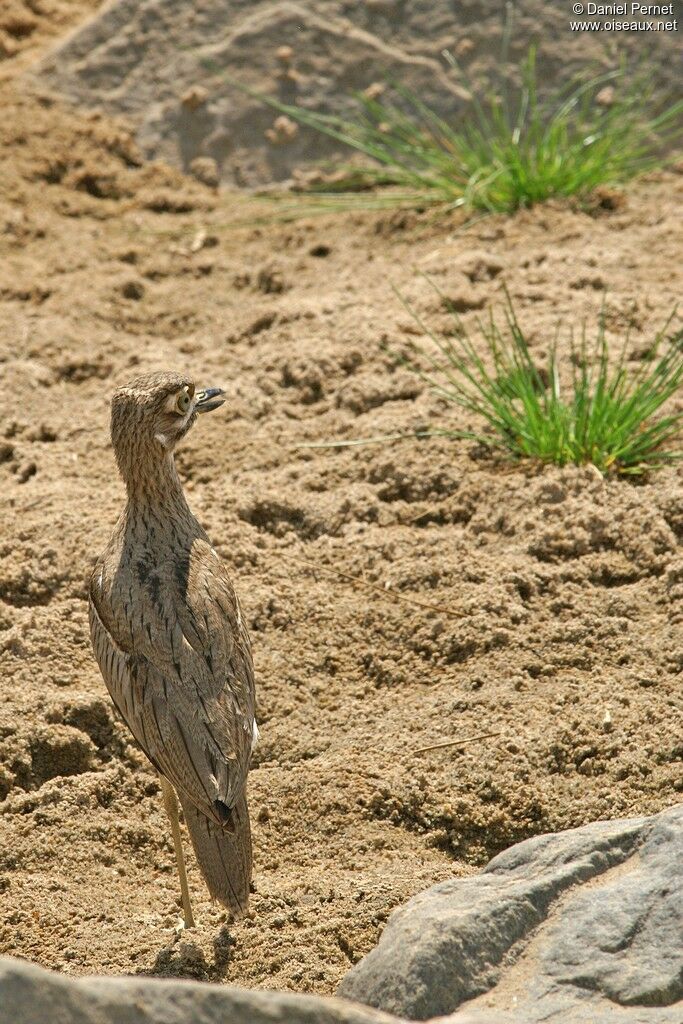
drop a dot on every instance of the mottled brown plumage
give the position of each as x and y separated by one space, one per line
168 634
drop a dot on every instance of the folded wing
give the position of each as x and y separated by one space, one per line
181 676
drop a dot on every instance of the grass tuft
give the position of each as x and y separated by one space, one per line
604 415
512 150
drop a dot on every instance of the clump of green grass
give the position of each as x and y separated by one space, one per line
605 414
511 150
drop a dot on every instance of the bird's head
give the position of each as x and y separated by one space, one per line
151 413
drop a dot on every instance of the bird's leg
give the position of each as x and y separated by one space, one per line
171 805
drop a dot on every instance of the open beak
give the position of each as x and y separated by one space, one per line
208 399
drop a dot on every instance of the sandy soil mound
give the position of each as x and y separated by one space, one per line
167 65
27 26
556 596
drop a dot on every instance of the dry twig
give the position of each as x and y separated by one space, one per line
456 743
386 592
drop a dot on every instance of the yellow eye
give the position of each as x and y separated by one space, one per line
183 403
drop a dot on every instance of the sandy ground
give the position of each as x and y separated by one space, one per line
555 596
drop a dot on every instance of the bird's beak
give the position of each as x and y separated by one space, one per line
208 399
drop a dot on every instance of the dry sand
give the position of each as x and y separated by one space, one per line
559 594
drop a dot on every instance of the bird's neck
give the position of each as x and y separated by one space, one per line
154 489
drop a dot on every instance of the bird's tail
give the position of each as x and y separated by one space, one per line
223 853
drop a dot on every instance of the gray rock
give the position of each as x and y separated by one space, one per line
167 66
30 995
582 926
140 58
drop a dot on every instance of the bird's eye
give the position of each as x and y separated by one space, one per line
183 403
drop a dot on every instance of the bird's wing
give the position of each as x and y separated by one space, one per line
181 675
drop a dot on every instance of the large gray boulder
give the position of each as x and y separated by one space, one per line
582 927
167 65
30 995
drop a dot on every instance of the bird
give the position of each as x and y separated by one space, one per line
170 639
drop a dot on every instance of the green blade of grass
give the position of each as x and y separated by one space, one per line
483 157
604 414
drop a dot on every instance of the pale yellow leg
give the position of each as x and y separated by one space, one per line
171 805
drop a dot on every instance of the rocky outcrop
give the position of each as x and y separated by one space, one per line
170 66
583 926
30 995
